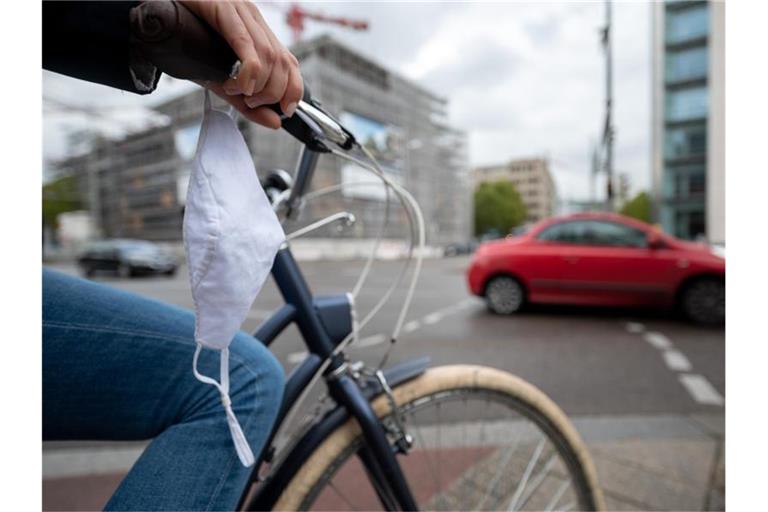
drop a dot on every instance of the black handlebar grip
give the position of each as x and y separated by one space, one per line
178 43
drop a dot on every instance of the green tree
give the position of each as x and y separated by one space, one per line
59 196
498 207
638 207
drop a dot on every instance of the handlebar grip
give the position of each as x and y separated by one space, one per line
178 43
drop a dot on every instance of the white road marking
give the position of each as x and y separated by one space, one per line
411 326
658 340
635 327
701 390
296 357
376 339
676 361
370 341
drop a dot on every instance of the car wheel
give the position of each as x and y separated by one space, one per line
703 301
170 272
504 295
124 271
89 272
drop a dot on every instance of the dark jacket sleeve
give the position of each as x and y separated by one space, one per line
90 41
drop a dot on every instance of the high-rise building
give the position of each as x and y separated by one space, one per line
136 186
688 133
532 180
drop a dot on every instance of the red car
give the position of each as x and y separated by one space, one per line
600 259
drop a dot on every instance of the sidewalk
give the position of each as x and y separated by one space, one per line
658 462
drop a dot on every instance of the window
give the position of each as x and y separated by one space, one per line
598 233
685 142
686 104
687 24
686 64
684 182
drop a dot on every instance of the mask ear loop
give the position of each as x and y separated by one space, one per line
242 447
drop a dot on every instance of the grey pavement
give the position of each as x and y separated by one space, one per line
645 389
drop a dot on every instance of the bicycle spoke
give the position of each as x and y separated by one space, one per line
427 455
559 494
492 484
527 474
539 479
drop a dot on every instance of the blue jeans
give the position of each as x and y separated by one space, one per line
117 366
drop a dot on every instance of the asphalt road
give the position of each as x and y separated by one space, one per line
590 361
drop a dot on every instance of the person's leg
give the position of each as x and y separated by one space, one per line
117 366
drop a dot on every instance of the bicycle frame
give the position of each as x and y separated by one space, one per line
323 322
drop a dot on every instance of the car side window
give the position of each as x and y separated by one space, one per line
595 233
612 234
564 232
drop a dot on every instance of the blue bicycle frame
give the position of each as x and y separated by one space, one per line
323 322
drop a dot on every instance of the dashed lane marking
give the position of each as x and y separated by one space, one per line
658 340
700 389
676 361
411 326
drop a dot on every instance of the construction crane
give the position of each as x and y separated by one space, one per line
295 15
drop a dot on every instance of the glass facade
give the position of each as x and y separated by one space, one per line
687 64
686 22
686 106
686 142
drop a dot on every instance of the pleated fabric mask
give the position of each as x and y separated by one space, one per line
231 237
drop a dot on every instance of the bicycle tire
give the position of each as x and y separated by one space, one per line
469 380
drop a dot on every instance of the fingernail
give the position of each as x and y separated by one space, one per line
230 90
290 109
251 85
250 101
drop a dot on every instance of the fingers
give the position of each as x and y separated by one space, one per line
274 89
227 21
261 115
266 47
268 73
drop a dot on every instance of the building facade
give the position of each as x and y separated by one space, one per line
688 132
403 124
533 181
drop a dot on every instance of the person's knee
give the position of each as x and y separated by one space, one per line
255 371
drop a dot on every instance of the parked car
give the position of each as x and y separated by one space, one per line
459 248
127 258
600 259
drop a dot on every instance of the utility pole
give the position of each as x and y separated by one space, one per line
608 131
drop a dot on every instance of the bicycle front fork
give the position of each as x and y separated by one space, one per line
377 455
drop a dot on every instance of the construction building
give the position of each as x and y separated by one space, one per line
136 186
532 180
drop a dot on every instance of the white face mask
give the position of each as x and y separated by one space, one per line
231 237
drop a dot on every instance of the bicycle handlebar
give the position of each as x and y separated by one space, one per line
178 43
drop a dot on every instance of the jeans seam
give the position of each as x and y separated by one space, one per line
225 476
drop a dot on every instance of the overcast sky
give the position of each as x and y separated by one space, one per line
522 79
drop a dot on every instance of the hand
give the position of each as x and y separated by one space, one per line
268 74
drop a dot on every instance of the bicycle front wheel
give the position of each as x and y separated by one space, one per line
483 440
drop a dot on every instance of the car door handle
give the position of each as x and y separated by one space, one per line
571 259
